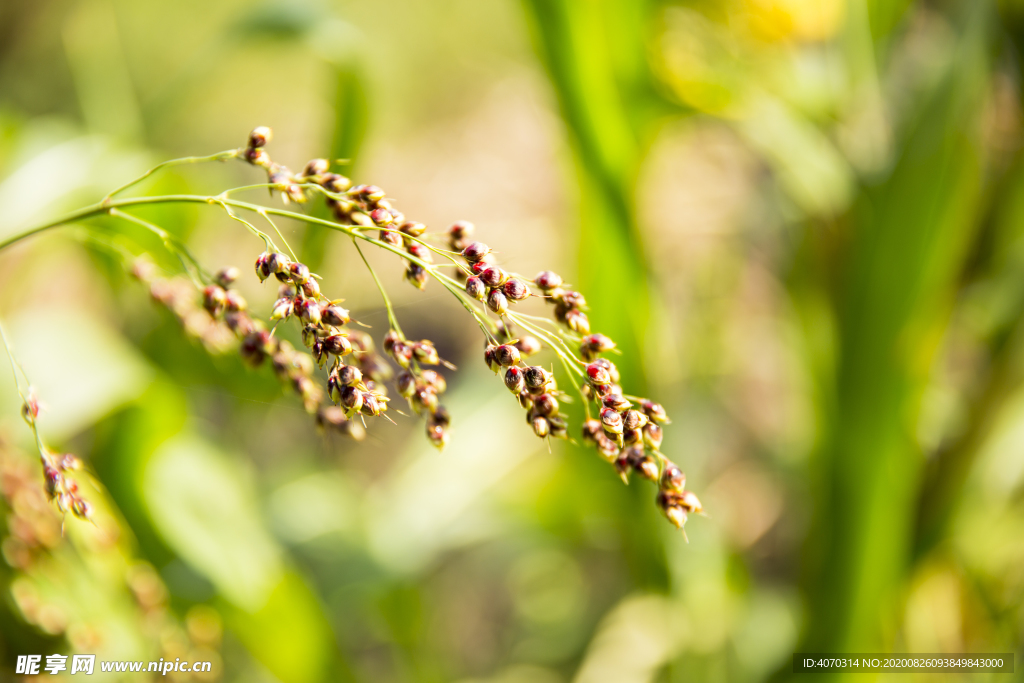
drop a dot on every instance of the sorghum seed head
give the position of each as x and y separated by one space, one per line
497 302
213 299
516 290
337 345
225 276
425 352
263 266
413 229
390 338
598 374
254 346
416 275
536 377
672 478
441 416
514 380
373 404
334 386
632 437
652 435
655 411
633 419
525 400
308 310
406 384
260 136
577 321
493 276
622 467
548 280
316 167
371 194
475 288
607 448
613 372
616 401
298 273
334 315
528 345
541 426
647 467
390 237
475 252
506 355
546 405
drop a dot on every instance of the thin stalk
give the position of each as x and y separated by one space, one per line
219 156
392 320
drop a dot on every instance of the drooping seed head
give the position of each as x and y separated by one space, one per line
437 434
514 380
506 355
548 280
402 353
260 136
572 300
593 344
607 448
632 437
497 302
489 358
475 288
406 384
528 345
424 400
541 426
475 252
389 340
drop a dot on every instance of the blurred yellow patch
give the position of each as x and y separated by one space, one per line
799 20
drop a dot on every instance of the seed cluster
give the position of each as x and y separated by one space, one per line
626 431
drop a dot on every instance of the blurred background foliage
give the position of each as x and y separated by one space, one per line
800 219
